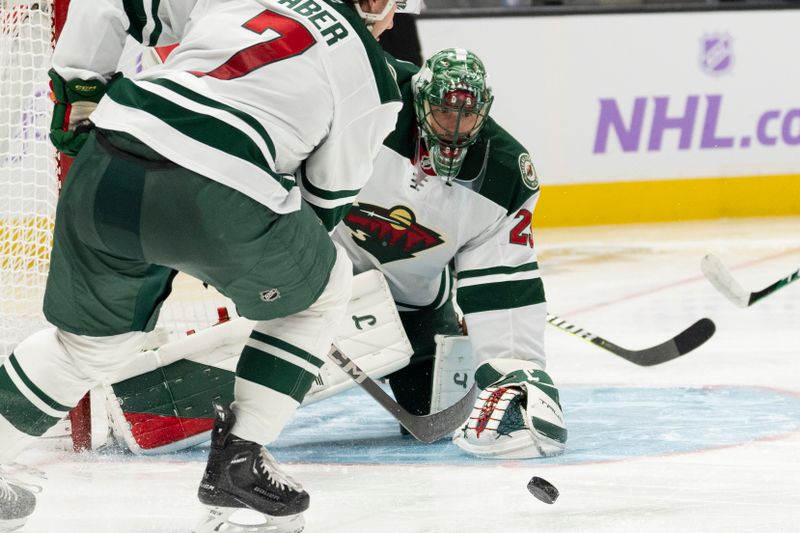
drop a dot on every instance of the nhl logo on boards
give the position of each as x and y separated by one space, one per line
529 177
269 295
716 54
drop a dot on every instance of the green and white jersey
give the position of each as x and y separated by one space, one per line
255 90
411 225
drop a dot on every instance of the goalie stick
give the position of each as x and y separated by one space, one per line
722 280
427 428
681 344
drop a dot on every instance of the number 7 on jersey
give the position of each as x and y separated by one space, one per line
292 40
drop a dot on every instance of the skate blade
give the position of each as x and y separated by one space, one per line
239 520
6 526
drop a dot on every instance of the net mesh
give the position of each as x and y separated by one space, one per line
28 193
28 182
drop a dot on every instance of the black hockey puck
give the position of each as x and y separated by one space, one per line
543 490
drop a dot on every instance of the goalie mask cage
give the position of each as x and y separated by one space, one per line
30 173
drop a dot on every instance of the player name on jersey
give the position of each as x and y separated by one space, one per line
325 21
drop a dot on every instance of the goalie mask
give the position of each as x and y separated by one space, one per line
452 98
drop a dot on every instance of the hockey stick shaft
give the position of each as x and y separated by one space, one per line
679 345
427 428
781 283
722 280
569 327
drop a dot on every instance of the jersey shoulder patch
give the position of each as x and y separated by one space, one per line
508 177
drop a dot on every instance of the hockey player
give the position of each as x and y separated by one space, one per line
191 167
451 187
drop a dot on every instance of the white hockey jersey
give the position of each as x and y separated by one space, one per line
254 89
412 225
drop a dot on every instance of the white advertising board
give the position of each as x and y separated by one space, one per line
608 98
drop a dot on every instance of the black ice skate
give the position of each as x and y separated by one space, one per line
17 502
241 474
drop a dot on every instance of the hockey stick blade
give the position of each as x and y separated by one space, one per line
681 344
720 277
427 428
722 280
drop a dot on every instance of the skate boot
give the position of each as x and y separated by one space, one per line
17 502
242 475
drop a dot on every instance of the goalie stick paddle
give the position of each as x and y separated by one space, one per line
427 428
681 344
722 280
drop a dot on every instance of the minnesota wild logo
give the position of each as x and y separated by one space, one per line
389 234
529 177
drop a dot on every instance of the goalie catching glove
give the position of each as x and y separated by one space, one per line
517 414
74 101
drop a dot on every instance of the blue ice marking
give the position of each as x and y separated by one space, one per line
604 423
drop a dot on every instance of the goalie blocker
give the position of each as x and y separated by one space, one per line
162 401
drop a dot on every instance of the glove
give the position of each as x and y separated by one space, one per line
517 414
74 101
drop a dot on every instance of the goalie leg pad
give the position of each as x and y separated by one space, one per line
162 401
515 417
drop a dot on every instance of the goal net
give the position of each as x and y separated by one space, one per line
29 180
28 170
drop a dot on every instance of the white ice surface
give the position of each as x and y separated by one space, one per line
635 285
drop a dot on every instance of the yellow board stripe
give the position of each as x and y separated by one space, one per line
564 205
667 200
